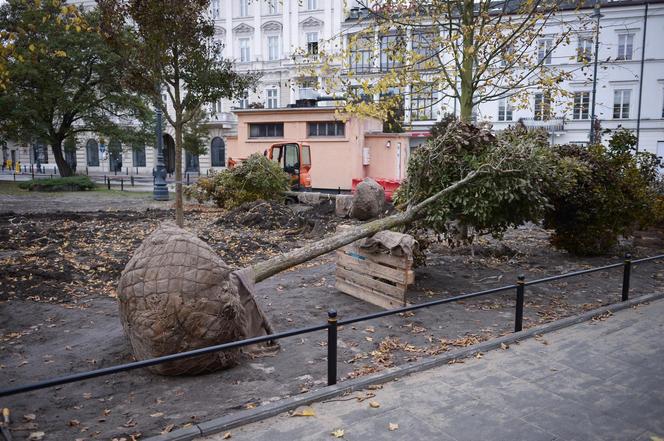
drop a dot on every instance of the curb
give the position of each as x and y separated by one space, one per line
244 417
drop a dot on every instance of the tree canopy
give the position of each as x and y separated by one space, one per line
440 51
61 79
174 52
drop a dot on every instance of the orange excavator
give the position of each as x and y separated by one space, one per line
294 158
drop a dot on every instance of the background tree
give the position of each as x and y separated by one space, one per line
175 50
62 78
473 51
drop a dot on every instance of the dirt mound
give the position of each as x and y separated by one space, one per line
310 221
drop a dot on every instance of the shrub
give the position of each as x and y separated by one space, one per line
256 178
70 183
613 193
519 173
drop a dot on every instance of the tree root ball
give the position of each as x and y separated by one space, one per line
175 296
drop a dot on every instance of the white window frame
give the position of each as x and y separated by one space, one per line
585 48
243 102
312 5
625 46
273 47
272 98
544 51
578 112
505 110
245 49
243 8
624 105
272 7
215 7
312 37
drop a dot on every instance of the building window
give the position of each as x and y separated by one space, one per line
245 50
544 50
191 162
244 8
326 128
581 105
421 103
266 130
40 152
424 47
272 101
505 110
218 152
360 58
272 6
391 48
621 103
243 101
273 47
92 152
217 107
542 106
214 6
625 46
584 50
357 94
312 43
312 5
138 155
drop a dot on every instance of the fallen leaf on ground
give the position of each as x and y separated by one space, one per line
305 412
375 386
157 415
227 435
168 428
250 406
374 404
339 433
503 346
29 417
73 423
36 436
392 426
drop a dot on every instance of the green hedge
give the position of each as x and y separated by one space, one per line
71 183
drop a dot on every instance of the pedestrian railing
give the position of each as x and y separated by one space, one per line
332 325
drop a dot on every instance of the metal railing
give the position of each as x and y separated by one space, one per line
332 326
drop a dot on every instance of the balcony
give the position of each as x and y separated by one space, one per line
550 125
225 120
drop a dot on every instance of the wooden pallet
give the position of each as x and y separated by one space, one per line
380 279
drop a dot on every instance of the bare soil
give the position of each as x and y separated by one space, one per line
58 315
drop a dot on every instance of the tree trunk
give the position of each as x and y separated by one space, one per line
263 270
467 61
63 166
179 213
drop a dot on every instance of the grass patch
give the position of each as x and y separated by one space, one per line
70 183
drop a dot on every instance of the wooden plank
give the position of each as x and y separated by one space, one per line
372 268
367 295
387 259
397 292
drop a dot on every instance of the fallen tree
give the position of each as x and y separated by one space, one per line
175 290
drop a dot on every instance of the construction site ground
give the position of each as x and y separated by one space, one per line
59 314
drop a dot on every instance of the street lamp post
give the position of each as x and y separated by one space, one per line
597 15
160 191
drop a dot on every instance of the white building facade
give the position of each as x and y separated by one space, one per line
265 35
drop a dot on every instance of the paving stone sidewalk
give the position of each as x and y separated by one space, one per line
598 380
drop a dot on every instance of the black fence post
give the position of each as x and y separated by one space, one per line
33 174
132 180
127 169
187 178
520 289
108 183
121 184
86 170
627 272
331 347
14 176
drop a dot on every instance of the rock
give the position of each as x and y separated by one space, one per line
174 296
343 204
368 200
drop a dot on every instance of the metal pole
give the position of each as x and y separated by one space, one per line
643 58
518 318
331 347
597 15
160 190
109 183
121 184
627 272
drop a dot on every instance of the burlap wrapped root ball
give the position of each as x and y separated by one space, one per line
175 296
